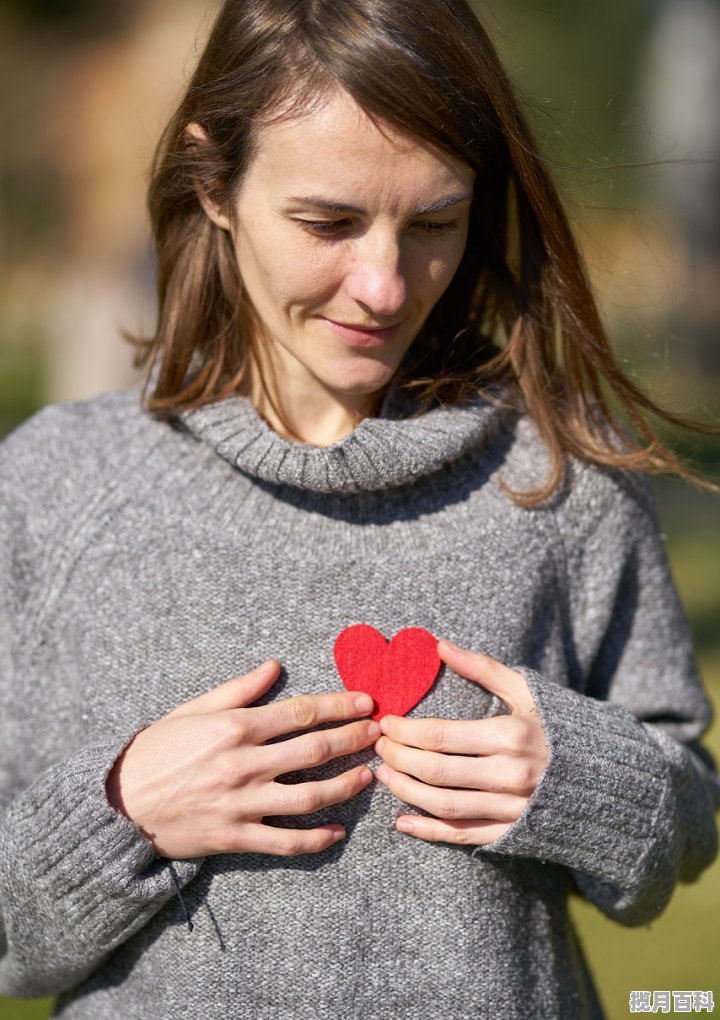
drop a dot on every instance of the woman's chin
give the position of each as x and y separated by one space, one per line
357 385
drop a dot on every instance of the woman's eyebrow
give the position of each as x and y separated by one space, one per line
315 202
445 203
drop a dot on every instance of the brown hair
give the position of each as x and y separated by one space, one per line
519 314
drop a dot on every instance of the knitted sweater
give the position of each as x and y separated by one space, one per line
143 563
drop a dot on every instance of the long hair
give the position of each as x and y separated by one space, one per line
518 316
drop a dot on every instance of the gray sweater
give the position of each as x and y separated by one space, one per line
143 563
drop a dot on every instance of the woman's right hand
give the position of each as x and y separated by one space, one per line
201 779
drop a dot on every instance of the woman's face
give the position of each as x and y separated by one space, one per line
345 237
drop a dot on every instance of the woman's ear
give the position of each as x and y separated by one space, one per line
197 136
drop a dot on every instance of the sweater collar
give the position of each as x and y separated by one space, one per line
383 452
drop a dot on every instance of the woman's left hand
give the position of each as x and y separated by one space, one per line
475 777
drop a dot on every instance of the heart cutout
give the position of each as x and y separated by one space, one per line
396 674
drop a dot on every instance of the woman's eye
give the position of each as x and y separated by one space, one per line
340 228
437 226
326 228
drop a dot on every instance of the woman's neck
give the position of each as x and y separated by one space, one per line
299 407
316 416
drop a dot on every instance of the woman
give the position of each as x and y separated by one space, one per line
374 401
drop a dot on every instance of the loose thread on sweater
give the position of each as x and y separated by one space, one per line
180 896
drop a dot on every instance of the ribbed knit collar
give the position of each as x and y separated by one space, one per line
381 453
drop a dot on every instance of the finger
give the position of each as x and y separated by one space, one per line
496 773
236 693
502 734
313 749
306 798
509 685
306 711
435 769
517 776
451 804
255 837
466 832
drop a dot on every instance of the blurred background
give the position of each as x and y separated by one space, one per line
625 99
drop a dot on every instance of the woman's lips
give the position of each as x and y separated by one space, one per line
363 336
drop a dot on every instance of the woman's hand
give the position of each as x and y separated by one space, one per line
475 777
201 779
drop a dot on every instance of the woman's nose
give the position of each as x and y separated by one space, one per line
375 277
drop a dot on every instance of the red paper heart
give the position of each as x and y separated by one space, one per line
396 675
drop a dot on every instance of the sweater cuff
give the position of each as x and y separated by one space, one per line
98 875
603 793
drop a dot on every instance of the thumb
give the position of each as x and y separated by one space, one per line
509 685
235 693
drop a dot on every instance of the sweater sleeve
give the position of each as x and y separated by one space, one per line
628 797
76 878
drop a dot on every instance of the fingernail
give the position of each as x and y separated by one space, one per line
381 773
451 644
373 731
366 776
364 703
405 825
337 833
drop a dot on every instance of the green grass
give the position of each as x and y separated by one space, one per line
22 368
25 1009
